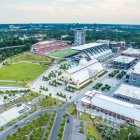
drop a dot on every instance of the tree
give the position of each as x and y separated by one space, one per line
5 97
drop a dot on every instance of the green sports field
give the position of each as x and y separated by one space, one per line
28 57
62 53
21 72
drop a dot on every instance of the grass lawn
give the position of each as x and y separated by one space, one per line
72 111
49 102
22 71
12 84
28 57
91 130
62 53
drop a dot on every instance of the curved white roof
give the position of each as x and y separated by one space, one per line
83 73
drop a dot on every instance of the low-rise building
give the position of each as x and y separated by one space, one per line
131 52
80 75
117 46
123 62
133 76
128 93
113 107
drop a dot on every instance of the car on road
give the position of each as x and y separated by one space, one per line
15 126
68 120
21 122
27 121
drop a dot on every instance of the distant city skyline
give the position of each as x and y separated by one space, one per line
70 11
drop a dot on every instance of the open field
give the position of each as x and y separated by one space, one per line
91 130
22 71
28 57
62 53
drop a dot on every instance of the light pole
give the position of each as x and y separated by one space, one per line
129 135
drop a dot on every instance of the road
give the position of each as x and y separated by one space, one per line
12 47
68 129
57 123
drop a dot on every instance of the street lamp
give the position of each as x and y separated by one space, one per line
129 135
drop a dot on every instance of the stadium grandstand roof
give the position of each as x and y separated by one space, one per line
87 46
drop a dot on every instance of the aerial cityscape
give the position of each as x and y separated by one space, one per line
70 76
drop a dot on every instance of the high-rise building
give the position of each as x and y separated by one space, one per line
79 36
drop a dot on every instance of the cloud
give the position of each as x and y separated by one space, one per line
100 11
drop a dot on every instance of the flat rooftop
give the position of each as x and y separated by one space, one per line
87 46
119 107
124 59
131 51
129 110
129 91
136 68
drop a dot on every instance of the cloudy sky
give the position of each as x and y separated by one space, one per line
70 11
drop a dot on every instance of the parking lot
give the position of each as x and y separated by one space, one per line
13 113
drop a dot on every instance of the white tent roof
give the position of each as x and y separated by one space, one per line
83 73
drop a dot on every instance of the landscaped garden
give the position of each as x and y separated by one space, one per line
117 73
106 132
114 73
25 98
62 127
50 127
33 130
127 133
92 132
50 102
72 111
102 87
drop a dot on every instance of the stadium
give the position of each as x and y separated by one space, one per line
91 51
44 47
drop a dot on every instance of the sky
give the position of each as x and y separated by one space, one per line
70 11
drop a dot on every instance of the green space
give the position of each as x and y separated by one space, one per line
50 127
25 98
127 133
62 128
22 71
28 57
50 102
72 111
33 130
92 132
62 53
